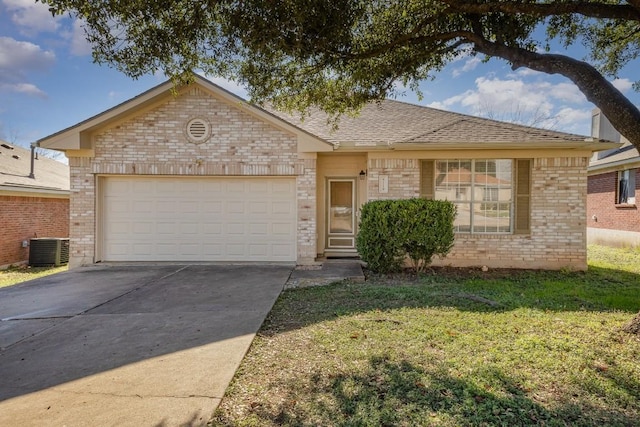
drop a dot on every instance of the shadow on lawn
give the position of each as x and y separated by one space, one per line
389 394
598 289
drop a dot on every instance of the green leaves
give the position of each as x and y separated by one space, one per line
341 54
392 230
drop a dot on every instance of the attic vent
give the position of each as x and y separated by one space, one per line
198 130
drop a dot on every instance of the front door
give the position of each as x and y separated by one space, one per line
341 226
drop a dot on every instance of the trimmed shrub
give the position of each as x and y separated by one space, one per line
393 230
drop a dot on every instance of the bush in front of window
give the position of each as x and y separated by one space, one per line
393 230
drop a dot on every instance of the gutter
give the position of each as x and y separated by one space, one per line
614 165
588 144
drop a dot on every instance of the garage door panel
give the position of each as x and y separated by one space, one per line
212 229
235 250
198 219
258 208
235 229
143 228
282 208
212 207
118 206
187 229
258 186
281 229
259 250
258 229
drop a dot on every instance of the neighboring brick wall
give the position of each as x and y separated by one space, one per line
154 143
601 202
26 217
558 233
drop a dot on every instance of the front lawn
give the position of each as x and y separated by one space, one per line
451 348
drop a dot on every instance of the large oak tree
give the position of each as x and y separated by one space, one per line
338 54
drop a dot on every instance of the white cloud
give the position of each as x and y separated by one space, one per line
538 103
79 44
31 17
623 85
25 88
23 56
449 102
525 72
566 92
574 119
469 65
494 96
17 58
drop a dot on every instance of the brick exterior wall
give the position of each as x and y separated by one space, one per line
404 178
28 217
558 208
601 202
155 143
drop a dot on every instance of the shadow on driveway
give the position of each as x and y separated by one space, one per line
129 345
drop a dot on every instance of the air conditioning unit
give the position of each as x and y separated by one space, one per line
48 251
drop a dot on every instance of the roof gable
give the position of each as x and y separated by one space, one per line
78 136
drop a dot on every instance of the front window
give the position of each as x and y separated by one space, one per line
482 191
626 187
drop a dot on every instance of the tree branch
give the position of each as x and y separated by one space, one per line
629 12
621 112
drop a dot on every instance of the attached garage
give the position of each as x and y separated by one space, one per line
197 218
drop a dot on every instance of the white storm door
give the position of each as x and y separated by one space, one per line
341 213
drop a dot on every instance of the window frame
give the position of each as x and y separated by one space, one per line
629 198
520 197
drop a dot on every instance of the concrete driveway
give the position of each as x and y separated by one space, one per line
128 345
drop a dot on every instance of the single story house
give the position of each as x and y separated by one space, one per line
203 175
613 189
34 201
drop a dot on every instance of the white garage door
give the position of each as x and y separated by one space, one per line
198 219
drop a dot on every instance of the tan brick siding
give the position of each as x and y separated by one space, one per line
26 217
155 143
558 206
403 175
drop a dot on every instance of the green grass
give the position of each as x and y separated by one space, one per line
451 348
15 275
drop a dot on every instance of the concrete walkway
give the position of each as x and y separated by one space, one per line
128 345
331 270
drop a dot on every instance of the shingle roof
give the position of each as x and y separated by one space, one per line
15 167
398 122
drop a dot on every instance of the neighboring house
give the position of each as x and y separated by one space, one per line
202 175
33 202
613 196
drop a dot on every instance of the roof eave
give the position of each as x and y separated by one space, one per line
603 167
4 188
586 145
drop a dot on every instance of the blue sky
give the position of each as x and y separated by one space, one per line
48 82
